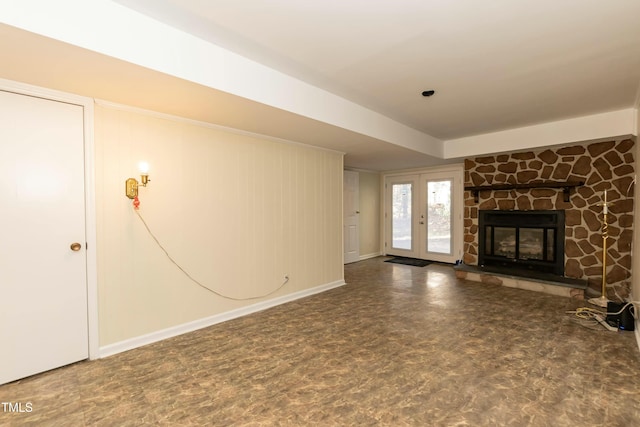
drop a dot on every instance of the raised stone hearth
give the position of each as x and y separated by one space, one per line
571 288
601 166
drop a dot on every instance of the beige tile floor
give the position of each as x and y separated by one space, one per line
397 346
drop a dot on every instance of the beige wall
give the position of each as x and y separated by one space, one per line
237 212
369 214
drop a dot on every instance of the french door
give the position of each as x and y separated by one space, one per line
423 215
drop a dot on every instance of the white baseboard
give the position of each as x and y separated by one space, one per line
367 256
131 343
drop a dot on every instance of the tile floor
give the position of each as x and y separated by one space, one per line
397 346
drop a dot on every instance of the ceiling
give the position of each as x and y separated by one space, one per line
495 65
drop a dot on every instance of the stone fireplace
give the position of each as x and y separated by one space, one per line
526 242
597 167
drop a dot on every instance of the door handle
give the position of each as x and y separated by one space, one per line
75 246
421 222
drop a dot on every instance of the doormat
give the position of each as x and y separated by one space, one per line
409 261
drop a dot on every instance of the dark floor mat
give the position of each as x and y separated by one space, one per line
409 261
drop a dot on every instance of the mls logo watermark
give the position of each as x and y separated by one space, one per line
16 407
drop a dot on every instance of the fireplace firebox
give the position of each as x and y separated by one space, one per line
522 240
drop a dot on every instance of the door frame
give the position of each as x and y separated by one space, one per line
417 177
89 194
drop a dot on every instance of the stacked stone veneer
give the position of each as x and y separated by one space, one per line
602 166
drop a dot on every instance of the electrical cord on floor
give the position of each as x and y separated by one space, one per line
155 239
587 316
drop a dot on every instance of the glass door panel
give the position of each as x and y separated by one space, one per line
401 216
439 216
505 241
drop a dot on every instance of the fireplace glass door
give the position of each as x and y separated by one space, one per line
521 243
531 243
504 241
532 240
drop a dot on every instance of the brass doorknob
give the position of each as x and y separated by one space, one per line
75 246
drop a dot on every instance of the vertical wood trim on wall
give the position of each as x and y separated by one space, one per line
237 211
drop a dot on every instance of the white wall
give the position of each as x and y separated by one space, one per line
608 125
237 212
114 30
369 214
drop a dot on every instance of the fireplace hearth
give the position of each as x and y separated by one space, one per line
522 241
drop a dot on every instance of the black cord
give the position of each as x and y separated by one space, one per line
196 281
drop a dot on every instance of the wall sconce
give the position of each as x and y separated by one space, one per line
131 184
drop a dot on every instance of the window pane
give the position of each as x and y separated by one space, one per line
439 216
401 216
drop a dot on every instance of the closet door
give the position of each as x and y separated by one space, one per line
43 273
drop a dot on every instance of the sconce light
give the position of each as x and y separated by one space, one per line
131 184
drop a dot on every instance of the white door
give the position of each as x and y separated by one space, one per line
440 223
401 228
423 215
43 282
351 203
